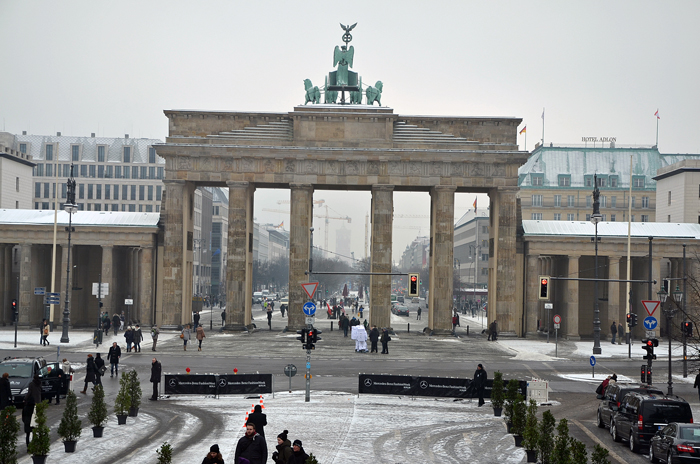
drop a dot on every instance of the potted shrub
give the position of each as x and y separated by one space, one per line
497 394
600 455
122 402
134 393
70 427
9 427
519 417
98 412
511 395
562 444
545 442
40 445
165 453
530 432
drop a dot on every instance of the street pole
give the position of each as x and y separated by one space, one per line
71 207
308 352
685 317
669 315
16 314
596 217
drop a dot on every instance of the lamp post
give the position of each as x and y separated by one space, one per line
596 217
70 208
677 298
458 265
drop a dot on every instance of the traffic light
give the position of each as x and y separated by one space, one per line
316 335
631 320
412 285
302 337
644 373
544 287
688 328
310 337
649 375
14 309
648 346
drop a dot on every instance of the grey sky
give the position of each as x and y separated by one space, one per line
599 69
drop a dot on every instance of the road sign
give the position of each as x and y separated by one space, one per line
650 334
309 308
96 287
548 306
650 306
557 319
54 294
557 326
39 290
51 300
592 360
310 288
290 370
650 323
310 320
128 301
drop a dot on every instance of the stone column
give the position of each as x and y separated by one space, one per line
532 274
572 318
26 291
107 277
502 260
382 217
442 206
301 197
613 294
4 293
240 243
145 289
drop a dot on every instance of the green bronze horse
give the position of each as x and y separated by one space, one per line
313 94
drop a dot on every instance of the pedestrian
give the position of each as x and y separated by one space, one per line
138 338
61 377
697 383
613 331
603 385
418 313
89 373
113 357
299 456
213 456
121 321
154 336
360 313
100 369
116 322
479 382
129 336
269 317
385 340
31 399
258 418
493 331
620 333
223 317
251 446
454 321
196 319
185 336
45 333
284 449
200 336
41 331
345 324
6 391
156 370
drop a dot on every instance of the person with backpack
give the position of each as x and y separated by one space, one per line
154 336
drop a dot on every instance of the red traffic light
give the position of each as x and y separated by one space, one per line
650 343
544 282
414 278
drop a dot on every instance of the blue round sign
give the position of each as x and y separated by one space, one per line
592 360
309 308
650 323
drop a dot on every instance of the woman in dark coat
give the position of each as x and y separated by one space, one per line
385 341
214 456
259 419
5 391
90 372
99 364
284 449
298 456
30 400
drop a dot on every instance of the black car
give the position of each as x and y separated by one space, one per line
676 443
641 415
613 397
22 372
51 385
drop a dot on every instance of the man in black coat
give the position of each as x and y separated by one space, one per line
479 383
156 370
374 338
113 356
5 391
258 418
116 322
251 446
195 319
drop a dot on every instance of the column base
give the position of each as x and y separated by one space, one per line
438 332
238 328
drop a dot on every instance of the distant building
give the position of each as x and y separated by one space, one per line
201 259
278 244
16 170
471 249
219 243
415 256
678 192
342 244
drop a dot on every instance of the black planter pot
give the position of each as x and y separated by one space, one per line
497 412
70 446
133 412
97 432
39 458
531 455
518 440
121 419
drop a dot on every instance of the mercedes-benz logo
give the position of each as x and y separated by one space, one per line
423 384
172 382
222 383
368 382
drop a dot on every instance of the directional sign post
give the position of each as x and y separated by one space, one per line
309 308
52 298
557 324
310 288
650 323
650 306
39 290
592 361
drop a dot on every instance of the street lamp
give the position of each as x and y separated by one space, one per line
458 265
70 208
677 298
596 217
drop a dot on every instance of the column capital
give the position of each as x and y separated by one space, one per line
237 184
383 187
174 182
445 188
299 185
614 258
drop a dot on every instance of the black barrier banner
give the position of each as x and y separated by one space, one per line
425 386
214 384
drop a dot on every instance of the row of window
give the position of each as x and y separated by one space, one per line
100 171
99 191
98 207
572 217
537 200
76 151
604 181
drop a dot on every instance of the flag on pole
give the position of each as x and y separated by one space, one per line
523 131
281 225
475 205
543 114
657 114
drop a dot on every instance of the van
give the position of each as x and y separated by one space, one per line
400 299
257 297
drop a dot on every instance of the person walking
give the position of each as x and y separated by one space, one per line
213 456
200 336
223 317
385 339
251 446
5 391
360 313
89 373
154 336
479 382
31 399
493 331
116 322
374 338
61 378
344 324
156 370
41 331
113 357
138 338
185 336
122 318
269 317
45 333
258 418
196 319
418 313
455 318
100 369
620 333
284 449
299 456
613 331
129 336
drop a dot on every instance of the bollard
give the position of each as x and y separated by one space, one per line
467 331
331 326
409 327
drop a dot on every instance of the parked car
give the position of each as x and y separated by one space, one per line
400 299
22 372
257 297
415 300
676 443
641 415
613 398
401 310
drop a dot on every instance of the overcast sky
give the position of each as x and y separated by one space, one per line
599 68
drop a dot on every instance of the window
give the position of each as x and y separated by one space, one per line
90 188
537 200
564 181
134 172
570 216
557 200
632 218
133 192
127 155
645 218
484 271
140 208
645 202
132 208
45 205
149 208
151 172
92 171
613 202
557 216
23 147
602 181
142 192
117 172
46 190
536 216
98 207
604 218
83 170
484 229
100 171
157 208
537 179
81 191
588 181
107 192
39 170
588 201
603 201
123 206
613 181
638 182
612 218
49 170
159 189
152 155
633 198
64 191
125 192
161 173
101 154
115 195
66 170
98 192
570 200
37 189
588 218
109 171
127 172
669 198
484 256
17 183
150 193
144 172
75 152
49 152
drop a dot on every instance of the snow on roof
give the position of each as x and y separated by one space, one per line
612 229
80 218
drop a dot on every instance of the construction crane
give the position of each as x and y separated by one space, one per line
326 216
286 202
